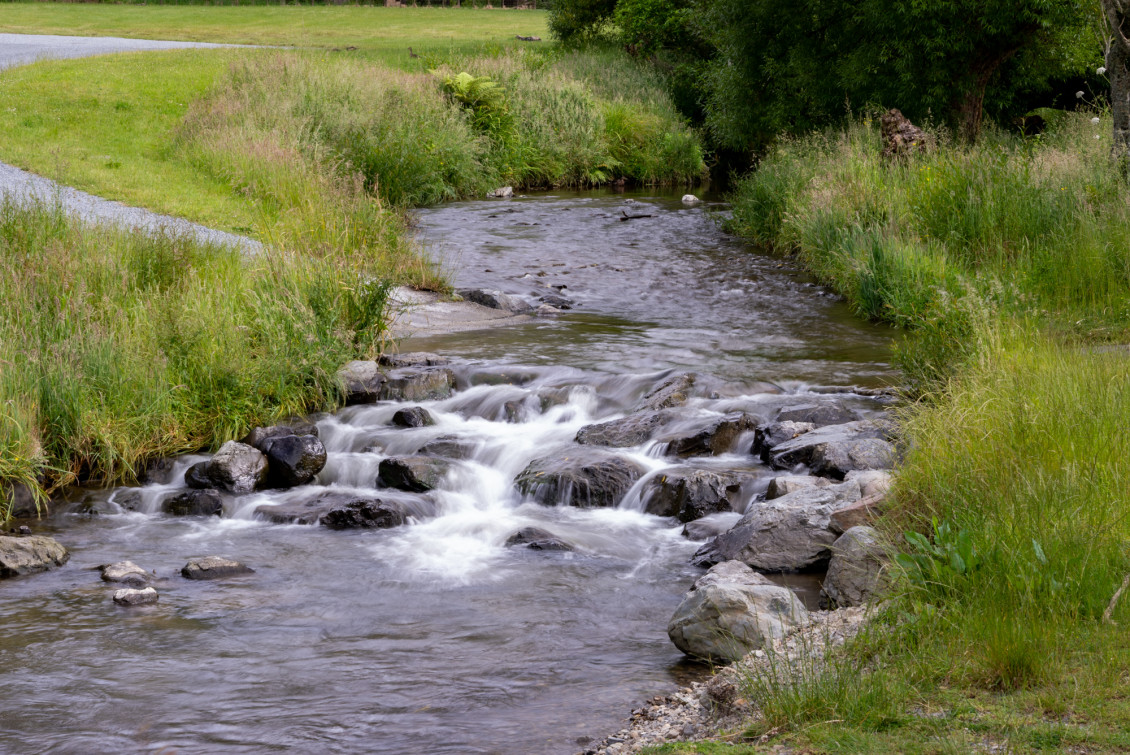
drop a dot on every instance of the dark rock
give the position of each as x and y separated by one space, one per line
27 555
494 300
299 512
508 376
774 434
802 449
557 302
691 494
415 416
623 433
900 136
196 476
730 611
375 513
854 573
194 503
449 447
131 597
129 499
787 534
716 438
22 501
418 384
413 359
538 540
824 413
293 459
362 381
581 477
214 567
157 472
711 525
416 474
126 572
237 468
672 392
257 438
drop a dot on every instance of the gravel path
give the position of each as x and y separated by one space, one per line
21 49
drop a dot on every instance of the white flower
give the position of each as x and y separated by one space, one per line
1101 70
1079 95
1095 120
1096 136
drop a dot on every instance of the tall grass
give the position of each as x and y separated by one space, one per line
116 347
398 136
944 241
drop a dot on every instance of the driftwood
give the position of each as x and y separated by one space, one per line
626 216
900 136
1114 601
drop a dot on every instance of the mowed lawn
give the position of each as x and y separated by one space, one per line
376 32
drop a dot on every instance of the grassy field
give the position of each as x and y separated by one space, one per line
1008 263
378 33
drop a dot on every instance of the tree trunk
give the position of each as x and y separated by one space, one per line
1117 14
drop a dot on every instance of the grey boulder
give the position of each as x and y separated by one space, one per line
690 494
214 567
856 568
413 416
132 597
374 513
361 381
818 414
126 572
27 555
785 484
237 468
293 460
623 433
837 448
671 392
194 503
580 477
418 384
771 435
790 533
716 438
415 474
537 539
730 611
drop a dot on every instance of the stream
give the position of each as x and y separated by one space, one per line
434 637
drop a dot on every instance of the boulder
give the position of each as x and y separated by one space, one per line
413 359
818 414
711 525
298 512
623 433
854 573
790 533
863 512
21 501
413 416
872 482
157 472
237 468
538 540
214 567
802 449
293 459
674 391
494 299
556 301
194 503
196 476
690 494
415 474
581 477
126 572
731 611
371 513
716 438
900 136
690 200
418 384
30 554
503 192
838 459
259 435
131 597
361 381
774 434
450 447
129 499
785 484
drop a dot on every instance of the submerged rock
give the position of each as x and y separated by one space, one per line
126 572
672 392
623 433
449 446
537 539
214 567
293 459
690 494
716 438
194 503
132 597
30 554
854 573
791 533
415 474
413 416
730 611
580 477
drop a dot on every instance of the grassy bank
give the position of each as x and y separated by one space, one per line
116 347
1007 263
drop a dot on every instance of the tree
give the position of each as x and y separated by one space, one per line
1117 13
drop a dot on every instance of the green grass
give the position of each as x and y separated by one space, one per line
378 33
116 347
1008 264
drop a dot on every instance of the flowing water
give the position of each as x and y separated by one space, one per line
434 637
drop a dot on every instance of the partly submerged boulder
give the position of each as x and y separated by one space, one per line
133 597
671 392
194 503
375 513
581 477
293 460
415 474
715 438
29 554
730 611
237 468
690 494
632 430
126 572
214 567
537 539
